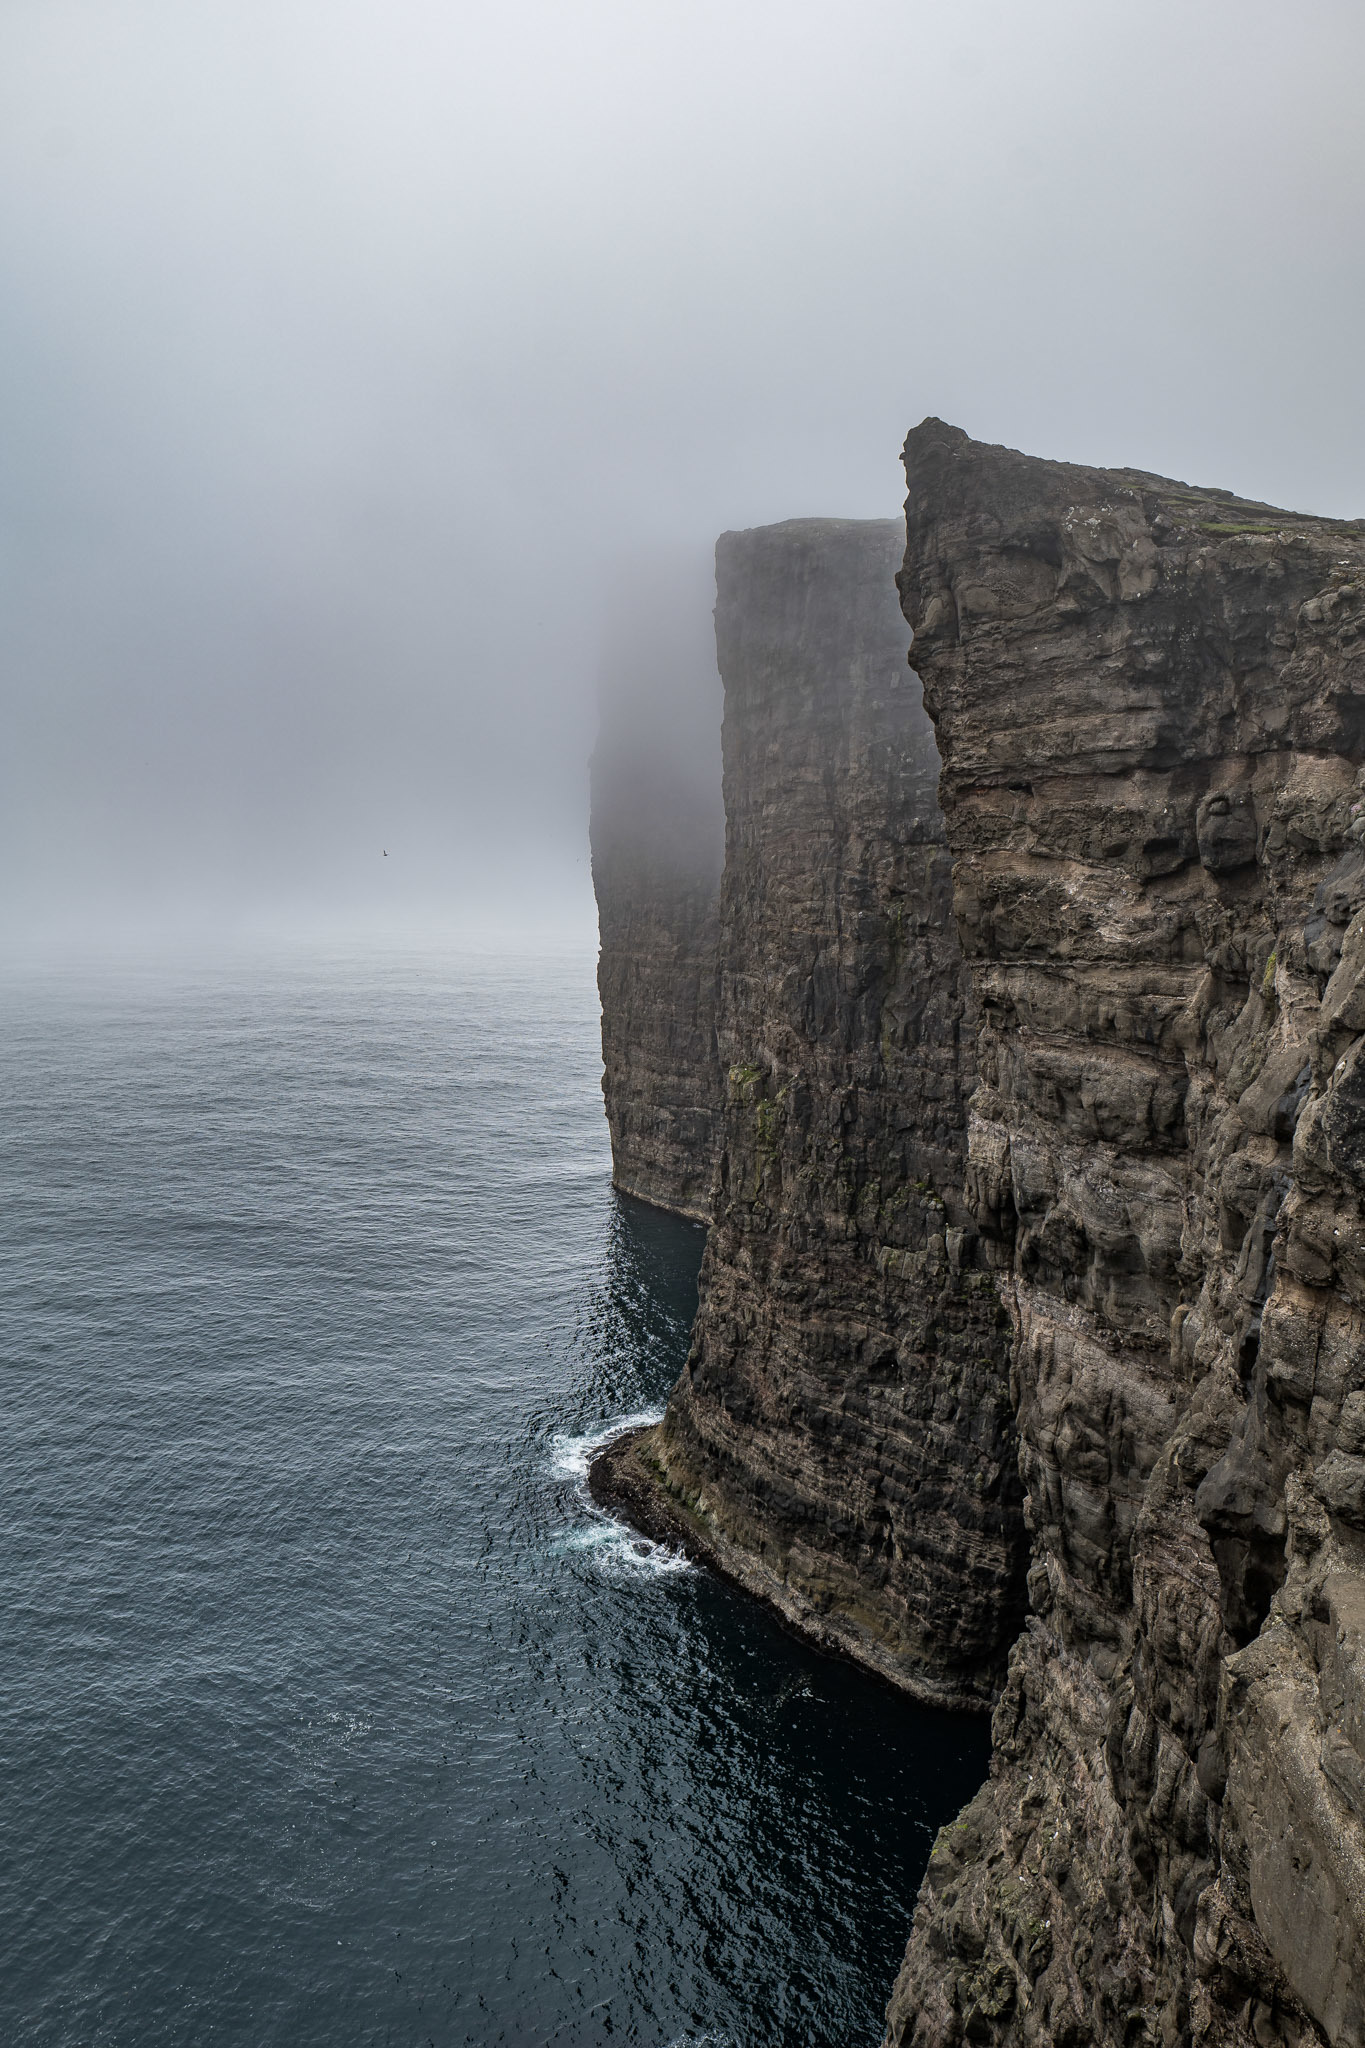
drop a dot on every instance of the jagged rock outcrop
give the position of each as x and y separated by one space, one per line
840 1440
1150 705
658 841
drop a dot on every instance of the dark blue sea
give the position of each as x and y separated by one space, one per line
331 1710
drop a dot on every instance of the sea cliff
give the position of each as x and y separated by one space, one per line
1040 1006
1150 707
841 1439
658 840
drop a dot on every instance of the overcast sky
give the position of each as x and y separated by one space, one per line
348 347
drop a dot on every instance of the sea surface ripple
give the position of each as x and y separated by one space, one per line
331 1712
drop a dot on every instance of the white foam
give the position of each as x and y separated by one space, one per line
614 1547
622 1553
572 1455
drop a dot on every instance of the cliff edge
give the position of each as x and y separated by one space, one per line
1150 706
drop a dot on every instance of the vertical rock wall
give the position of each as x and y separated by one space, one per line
1150 704
841 1438
658 837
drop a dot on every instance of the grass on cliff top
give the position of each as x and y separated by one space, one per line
1222 526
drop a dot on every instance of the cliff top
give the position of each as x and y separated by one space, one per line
1129 620
815 529
1005 481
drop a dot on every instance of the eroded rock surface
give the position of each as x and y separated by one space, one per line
658 841
1150 705
841 1436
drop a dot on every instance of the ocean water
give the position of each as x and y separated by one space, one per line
331 1711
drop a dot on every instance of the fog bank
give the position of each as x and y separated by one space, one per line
349 351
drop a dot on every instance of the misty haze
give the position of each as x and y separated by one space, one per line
348 351
624 1216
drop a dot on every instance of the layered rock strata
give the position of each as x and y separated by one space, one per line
1150 705
658 841
841 1440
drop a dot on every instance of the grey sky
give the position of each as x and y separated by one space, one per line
347 346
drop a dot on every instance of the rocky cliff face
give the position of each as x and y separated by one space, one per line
658 838
1150 704
841 1439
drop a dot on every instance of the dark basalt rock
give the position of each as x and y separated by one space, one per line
841 1439
1150 706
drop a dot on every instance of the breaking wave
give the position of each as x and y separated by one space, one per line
613 1546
